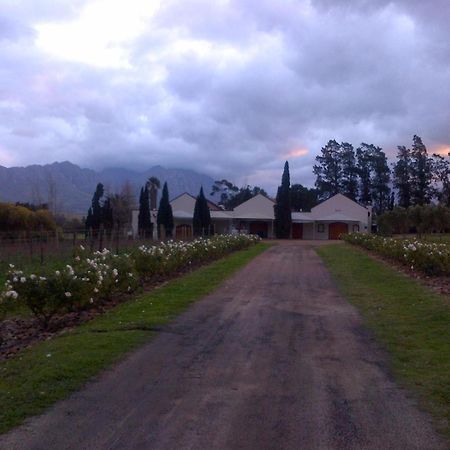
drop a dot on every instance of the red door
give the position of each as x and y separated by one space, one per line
297 231
335 230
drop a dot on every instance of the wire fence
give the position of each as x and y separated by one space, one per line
41 246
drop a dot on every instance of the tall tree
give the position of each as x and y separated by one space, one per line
364 155
328 170
122 204
282 208
97 207
349 171
380 190
153 185
144 220
303 198
441 173
202 217
232 196
421 173
402 176
107 215
165 216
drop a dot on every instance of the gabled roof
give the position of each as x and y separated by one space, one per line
336 197
211 205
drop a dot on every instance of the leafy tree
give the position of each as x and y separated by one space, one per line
225 189
364 164
441 173
328 170
396 221
153 185
202 217
349 171
421 173
303 198
403 176
282 208
380 190
232 196
145 225
107 215
122 205
165 215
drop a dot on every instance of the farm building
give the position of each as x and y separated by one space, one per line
327 220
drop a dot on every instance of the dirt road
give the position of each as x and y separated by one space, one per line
275 359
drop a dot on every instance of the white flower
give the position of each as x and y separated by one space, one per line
81 247
23 279
57 273
11 266
67 294
91 300
11 294
77 258
95 290
115 272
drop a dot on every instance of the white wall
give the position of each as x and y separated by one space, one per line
259 204
184 202
339 204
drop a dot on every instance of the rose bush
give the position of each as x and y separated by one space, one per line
428 257
92 278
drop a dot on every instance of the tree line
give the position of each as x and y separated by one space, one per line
364 175
113 212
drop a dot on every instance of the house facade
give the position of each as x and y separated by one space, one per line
327 220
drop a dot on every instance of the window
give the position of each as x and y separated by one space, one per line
320 228
355 228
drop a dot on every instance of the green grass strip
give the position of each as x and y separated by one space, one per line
407 318
48 371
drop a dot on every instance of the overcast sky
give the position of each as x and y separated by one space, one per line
227 88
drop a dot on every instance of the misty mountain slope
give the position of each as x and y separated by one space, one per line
75 185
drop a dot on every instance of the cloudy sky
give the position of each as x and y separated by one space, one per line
229 88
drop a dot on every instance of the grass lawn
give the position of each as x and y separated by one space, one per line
408 319
49 371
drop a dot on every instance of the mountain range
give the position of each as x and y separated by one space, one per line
73 186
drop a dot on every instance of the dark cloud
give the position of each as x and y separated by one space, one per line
231 88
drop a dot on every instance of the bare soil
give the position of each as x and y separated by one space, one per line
274 359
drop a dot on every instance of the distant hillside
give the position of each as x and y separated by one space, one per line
75 185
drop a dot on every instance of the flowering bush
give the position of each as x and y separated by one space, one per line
428 257
95 277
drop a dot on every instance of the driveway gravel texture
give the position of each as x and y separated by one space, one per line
276 358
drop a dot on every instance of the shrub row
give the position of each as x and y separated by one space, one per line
92 278
430 258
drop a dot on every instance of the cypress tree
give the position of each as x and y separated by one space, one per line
202 218
88 222
165 215
282 208
144 221
96 218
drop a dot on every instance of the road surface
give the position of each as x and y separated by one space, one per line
274 359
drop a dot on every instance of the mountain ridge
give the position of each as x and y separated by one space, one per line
75 185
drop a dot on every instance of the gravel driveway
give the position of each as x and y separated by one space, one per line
274 359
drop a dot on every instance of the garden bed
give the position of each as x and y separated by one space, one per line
62 299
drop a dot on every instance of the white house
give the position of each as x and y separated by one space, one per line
327 220
332 217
